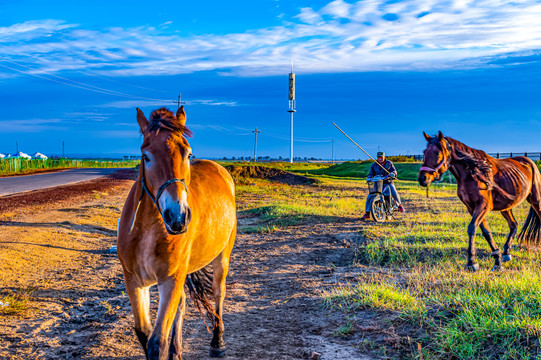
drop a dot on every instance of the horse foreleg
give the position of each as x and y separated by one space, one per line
171 291
220 266
140 304
513 226
477 218
495 251
175 350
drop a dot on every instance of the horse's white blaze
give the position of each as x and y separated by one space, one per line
166 201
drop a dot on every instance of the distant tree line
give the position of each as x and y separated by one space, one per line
269 159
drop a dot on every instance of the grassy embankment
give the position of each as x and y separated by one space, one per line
346 170
23 166
356 170
349 169
484 315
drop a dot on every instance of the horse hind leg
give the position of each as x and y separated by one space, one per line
513 226
221 268
495 251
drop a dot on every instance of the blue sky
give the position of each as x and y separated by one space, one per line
383 70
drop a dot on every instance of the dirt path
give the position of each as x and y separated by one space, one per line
58 255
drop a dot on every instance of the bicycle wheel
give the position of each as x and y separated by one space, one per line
378 210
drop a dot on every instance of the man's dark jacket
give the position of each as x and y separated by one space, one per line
376 170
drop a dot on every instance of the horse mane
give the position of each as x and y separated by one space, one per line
165 119
477 162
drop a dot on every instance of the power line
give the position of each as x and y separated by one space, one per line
281 137
56 81
79 71
81 85
112 92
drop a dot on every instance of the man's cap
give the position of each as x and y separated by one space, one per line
381 153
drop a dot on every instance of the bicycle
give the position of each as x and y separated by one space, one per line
382 205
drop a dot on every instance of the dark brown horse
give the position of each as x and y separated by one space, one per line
487 184
178 218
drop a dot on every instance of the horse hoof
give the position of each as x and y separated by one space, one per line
506 258
472 268
217 352
496 268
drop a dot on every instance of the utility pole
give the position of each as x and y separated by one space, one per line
333 150
63 149
255 143
179 103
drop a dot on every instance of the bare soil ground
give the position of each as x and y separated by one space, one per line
54 253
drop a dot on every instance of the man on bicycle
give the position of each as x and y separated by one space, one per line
390 172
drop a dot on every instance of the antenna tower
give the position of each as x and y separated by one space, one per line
292 107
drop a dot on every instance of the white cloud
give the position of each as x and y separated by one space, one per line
126 104
368 35
116 134
30 125
309 16
337 8
32 29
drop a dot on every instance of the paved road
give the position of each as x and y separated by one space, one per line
15 184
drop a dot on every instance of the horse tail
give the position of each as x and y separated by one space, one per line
531 230
199 286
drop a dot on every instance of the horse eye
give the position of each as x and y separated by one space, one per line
145 157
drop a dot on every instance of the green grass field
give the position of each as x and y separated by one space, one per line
420 257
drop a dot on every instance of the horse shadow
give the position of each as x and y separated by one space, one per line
91 229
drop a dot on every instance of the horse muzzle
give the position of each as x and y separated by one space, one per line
425 179
176 222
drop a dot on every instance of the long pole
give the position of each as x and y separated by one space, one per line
255 144
367 154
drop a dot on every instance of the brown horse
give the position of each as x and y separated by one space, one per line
178 218
487 184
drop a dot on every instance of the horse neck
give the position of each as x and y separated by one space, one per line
458 169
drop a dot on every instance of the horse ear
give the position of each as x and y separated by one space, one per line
440 136
427 137
142 120
181 116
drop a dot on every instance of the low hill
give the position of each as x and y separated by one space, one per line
406 171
